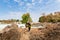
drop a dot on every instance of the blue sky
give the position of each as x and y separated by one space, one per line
14 9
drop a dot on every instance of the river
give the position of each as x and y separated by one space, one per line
2 26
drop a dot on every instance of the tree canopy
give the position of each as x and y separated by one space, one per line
26 18
50 17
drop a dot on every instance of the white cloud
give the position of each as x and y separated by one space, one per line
33 0
21 3
58 0
17 1
33 3
26 0
9 6
40 1
29 5
6 0
16 15
12 15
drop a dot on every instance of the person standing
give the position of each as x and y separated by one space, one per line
28 25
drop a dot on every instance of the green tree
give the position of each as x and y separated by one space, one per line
42 19
50 18
26 17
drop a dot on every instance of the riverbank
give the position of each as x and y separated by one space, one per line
50 32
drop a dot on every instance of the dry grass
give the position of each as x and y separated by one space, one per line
50 32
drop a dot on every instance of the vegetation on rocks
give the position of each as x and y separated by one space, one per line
52 17
50 32
11 34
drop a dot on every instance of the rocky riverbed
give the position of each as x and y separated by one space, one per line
50 32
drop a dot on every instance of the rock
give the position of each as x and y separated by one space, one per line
51 32
11 34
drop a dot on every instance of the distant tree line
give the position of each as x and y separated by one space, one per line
9 21
25 18
52 17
